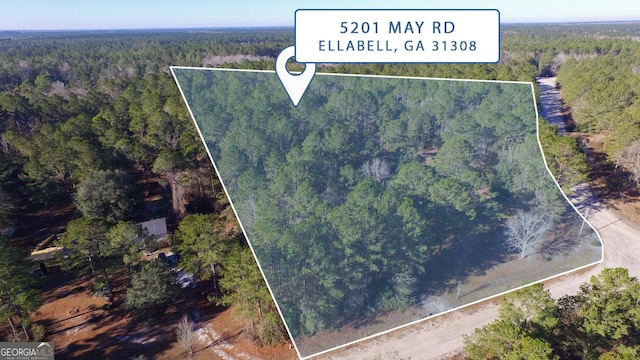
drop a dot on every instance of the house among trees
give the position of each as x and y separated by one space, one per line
157 228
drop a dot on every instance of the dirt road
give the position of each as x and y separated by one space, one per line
442 337
550 103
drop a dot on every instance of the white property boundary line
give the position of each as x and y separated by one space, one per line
387 77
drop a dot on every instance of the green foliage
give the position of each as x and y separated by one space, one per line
520 167
129 239
503 339
38 332
527 317
622 353
601 322
111 195
209 246
271 329
75 103
86 237
563 157
412 177
67 113
134 109
152 289
610 306
601 90
343 221
243 287
531 308
7 209
454 159
450 192
99 288
603 93
203 242
18 289
400 292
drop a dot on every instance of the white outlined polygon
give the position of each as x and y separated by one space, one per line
428 317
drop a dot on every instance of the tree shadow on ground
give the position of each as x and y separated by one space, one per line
364 320
565 238
464 251
224 338
557 247
464 256
110 332
95 315
474 254
62 283
150 338
608 181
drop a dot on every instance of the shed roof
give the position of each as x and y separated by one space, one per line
157 227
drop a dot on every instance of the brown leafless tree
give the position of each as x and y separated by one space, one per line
185 332
629 159
525 232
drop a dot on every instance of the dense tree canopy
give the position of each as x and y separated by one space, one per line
152 289
243 287
86 239
344 223
600 322
18 289
128 239
203 242
109 195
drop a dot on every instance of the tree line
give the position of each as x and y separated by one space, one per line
600 322
95 120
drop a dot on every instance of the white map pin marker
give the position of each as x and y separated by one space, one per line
294 84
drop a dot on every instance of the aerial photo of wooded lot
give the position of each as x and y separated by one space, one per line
118 240
383 196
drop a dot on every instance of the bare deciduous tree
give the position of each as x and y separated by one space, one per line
629 159
525 232
185 332
377 169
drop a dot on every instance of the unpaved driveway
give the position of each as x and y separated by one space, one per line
551 103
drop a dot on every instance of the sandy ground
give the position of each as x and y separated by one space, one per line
82 327
551 105
442 337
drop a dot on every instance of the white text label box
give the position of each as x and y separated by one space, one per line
397 36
